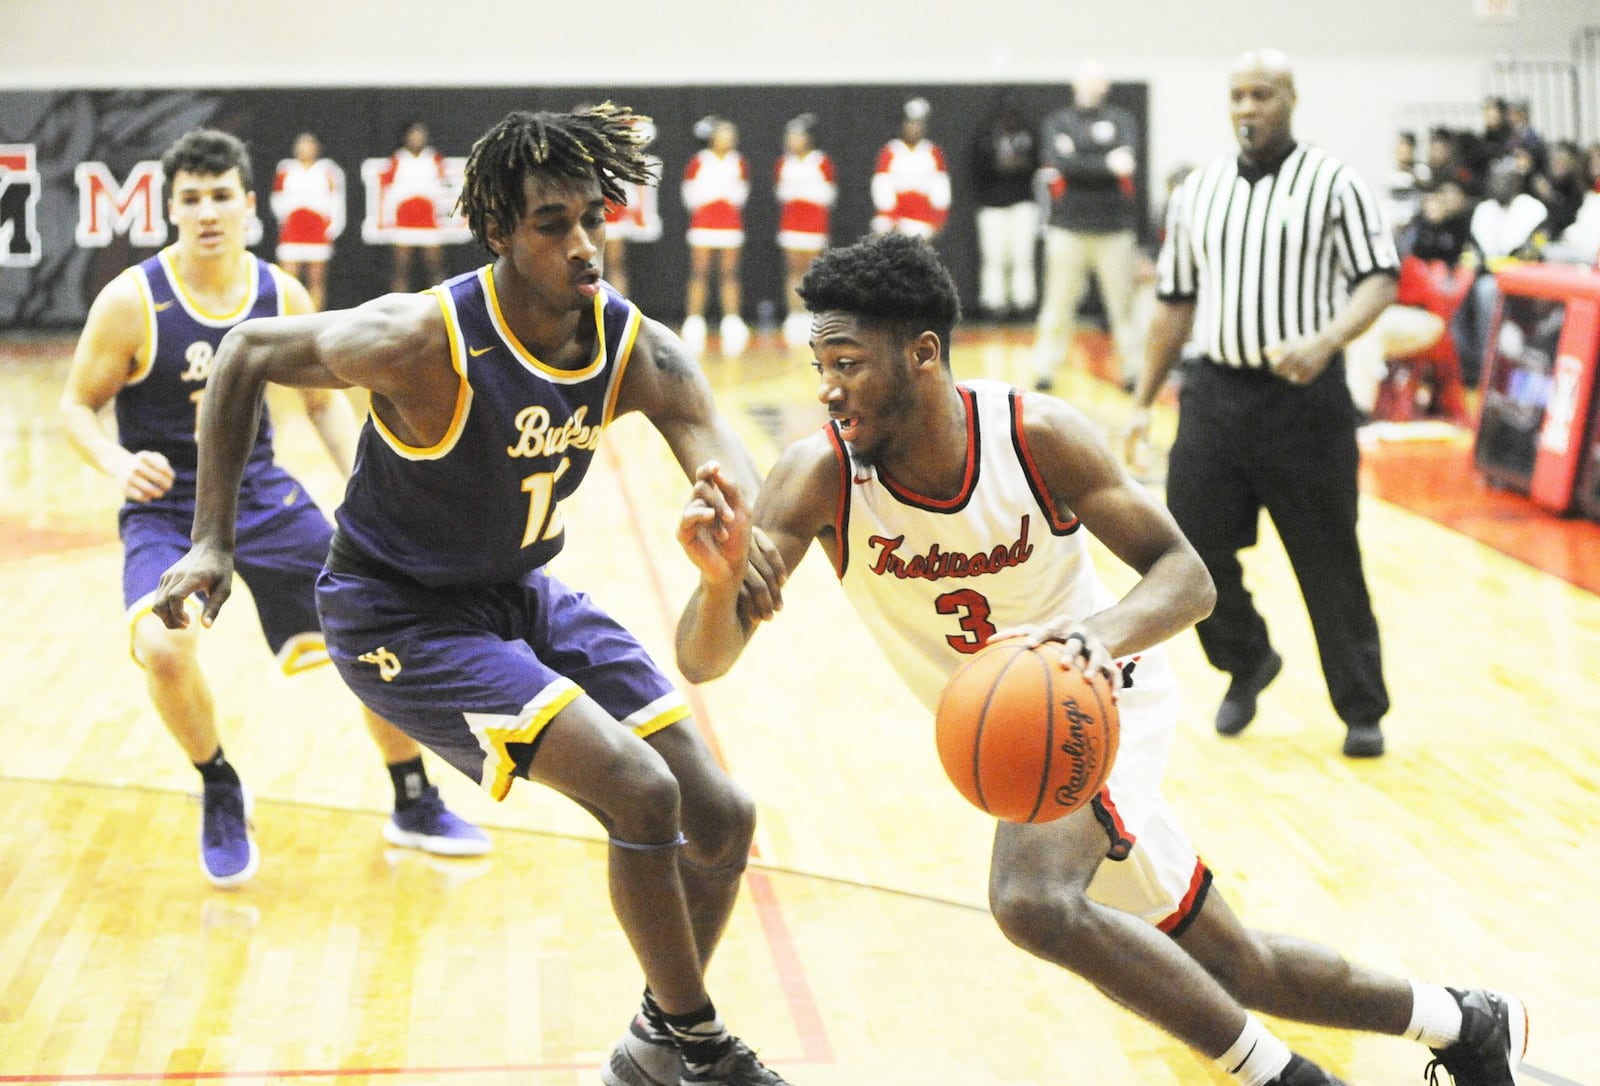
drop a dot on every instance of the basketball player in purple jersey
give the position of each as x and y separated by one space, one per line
957 513
489 394
148 346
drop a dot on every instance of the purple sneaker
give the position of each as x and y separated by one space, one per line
432 827
228 853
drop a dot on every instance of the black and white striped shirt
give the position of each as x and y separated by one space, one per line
1269 256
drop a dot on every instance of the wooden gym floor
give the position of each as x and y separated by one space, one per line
861 951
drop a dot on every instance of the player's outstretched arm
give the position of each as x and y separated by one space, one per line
251 354
1085 479
665 384
716 532
369 345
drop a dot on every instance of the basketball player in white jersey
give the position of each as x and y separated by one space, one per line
957 513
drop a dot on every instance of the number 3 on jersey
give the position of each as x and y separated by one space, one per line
973 607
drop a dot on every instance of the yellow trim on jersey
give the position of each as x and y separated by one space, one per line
214 319
458 421
302 652
141 369
624 352
662 713
497 781
279 278
497 318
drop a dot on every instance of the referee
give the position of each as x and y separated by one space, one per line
1274 260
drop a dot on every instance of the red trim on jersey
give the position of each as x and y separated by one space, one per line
1035 477
945 505
1105 812
1191 899
841 513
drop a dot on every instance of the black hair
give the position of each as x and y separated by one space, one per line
205 152
890 280
601 142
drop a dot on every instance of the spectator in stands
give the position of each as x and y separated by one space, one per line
1561 186
1507 227
1495 140
1521 133
1005 155
1404 189
1442 229
1448 156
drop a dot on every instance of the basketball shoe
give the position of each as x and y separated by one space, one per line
643 1057
228 854
1494 1038
737 1067
1302 1072
429 825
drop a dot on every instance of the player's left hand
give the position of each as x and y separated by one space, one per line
1301 360
1080 647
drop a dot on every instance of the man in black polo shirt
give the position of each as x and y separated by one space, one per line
1274 260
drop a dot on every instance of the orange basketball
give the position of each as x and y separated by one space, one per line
1024 738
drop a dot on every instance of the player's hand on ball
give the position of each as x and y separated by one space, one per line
1080 648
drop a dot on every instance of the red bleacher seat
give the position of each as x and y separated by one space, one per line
1440 289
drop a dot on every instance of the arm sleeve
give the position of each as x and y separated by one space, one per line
1365 245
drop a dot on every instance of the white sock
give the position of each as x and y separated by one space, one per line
1256 1057
1435 1016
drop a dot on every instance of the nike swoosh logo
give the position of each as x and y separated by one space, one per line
476 351
291 496
163 305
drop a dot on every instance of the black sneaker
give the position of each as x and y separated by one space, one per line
1302 1072
738 1067
1494 1038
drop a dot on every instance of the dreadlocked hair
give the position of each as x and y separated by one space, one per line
606 142
892 280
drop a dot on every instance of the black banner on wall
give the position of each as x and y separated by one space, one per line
79 201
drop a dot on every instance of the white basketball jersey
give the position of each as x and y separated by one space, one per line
933 578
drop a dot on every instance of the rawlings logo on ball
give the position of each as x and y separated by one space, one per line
1024 734
1081 753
